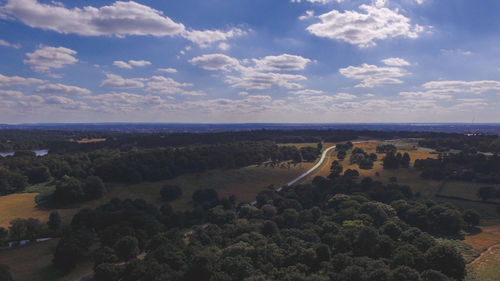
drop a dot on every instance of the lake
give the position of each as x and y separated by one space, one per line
38 152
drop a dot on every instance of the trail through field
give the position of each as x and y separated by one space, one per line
488 251
320 162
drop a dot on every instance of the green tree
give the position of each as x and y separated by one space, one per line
170 192
17 229
404 273
472 218
5 273
54 220
447 260
127 248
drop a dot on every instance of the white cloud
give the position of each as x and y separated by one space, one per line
45 58
125 102
168 70
116 81
61 89
344 96
396 62
283 62
165 85
215 62
425 95
363 29
4 43
307 92
122 64
131 63
7 81
253 80
204 38
139 63
256 77
372 75
457 86
223 46
316 1
309 14
155 84
119 19
10 94
243 93
65 103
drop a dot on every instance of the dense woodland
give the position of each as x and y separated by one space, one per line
338 228
335 229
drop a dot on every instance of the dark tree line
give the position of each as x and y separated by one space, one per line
334 229
393 161
462 166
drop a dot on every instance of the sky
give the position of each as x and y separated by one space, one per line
250 61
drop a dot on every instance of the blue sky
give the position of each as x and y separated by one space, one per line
250 61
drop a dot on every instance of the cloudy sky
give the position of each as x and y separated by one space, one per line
250 61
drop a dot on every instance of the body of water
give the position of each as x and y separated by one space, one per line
38 152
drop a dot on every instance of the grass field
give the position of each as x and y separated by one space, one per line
34 263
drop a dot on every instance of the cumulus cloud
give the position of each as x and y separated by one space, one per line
205 38
255 80
445 90
363 29
7 81
119 19
131 63
10 94
316 1
307 92
215 62
125 102
262 74
164 85
396 62
457 86
61 89
168 70
223 46
65 103
45 58
4 43
284 62
116 81
372 75
156 84
309 14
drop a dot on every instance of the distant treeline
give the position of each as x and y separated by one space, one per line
60 141
140 165
483 143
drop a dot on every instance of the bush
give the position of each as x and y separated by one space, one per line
170 192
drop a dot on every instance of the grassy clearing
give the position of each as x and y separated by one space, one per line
34 263
19 205
487 267
466 190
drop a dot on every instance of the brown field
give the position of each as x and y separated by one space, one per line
22 205
90 140
33 263
487 265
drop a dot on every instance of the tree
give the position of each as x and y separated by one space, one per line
33 228
67 254
205 196
54 220
4 235
170 192
472 218
405 161
5 273
487 192
108 272
93 188
127 248
17 229
336 169
447 260
68 190
404 273
391 162
433 275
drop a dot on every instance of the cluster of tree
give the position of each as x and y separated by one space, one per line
29 229
363 159
160 164
393 161
488 192
342 149
465 143
334 229
71 190
386 148
461 166
309 154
